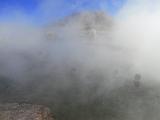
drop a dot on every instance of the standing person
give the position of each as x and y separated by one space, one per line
137 79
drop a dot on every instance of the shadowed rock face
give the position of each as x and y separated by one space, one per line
24 112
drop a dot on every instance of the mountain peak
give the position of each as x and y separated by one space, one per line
86 24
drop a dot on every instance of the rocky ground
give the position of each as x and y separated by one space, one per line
24 112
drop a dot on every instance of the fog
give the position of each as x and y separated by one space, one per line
88 65
141 21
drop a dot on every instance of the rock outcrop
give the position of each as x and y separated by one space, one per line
24 112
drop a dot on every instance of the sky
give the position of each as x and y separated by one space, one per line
41 11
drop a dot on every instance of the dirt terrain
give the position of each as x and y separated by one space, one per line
24 112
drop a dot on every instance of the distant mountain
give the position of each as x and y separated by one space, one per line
84 25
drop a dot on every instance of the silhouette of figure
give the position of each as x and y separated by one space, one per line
137 79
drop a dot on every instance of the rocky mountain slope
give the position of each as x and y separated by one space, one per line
79 73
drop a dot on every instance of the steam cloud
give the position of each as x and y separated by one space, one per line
88 65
